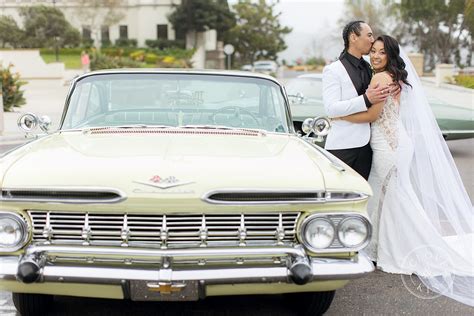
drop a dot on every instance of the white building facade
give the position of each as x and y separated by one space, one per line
141 19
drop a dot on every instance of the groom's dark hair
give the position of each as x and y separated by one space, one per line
351 27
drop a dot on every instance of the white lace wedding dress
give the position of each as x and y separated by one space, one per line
382 179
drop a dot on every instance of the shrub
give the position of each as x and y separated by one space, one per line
87 42
316 61
118 51
163 44
105 43
151 58
11 92
138 55
465 81
125 42
100 61
178 53
172 62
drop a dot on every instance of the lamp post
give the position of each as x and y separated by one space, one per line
228 50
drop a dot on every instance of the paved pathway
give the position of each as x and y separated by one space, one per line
43 97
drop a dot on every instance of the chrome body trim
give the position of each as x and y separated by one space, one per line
170 71
121 196
156 254
448 132
335 163
322 196
322 269
335 219
335 196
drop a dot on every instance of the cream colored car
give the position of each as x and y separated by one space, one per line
177 185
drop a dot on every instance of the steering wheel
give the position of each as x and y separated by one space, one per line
236 120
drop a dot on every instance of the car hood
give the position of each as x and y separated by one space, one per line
128 162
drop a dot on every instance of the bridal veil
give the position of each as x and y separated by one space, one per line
438 237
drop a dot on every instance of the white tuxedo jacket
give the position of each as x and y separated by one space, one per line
340 99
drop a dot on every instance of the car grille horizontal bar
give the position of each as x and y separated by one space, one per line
256 196
79 195
280 197
163 231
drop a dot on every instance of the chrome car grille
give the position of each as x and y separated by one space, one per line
164 231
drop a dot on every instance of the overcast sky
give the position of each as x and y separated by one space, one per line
315 30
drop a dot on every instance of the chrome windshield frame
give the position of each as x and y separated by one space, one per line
241 74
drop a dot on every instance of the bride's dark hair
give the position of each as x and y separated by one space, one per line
395 64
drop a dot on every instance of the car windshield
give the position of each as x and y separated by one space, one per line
176 100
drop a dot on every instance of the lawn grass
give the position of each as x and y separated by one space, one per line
70 61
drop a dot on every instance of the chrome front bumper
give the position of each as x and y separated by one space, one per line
126 275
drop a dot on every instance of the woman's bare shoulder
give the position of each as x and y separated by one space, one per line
382 78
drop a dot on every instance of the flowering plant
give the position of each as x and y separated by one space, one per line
11 83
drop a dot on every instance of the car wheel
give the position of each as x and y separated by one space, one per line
32 304
312 303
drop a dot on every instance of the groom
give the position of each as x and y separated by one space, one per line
346 91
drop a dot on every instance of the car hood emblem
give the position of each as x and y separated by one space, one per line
163 183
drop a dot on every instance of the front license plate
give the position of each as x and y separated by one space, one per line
164 291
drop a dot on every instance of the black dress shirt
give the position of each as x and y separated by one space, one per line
360 73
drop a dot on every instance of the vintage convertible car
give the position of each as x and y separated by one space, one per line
177 185
305 95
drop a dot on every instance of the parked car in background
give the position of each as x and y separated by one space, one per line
175 185
305 95
268 67
247 67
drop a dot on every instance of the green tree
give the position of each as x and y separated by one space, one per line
469 20
10 33
439 28
98 13
258 33
202 15
375 13
47 27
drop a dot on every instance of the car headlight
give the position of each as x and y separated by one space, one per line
353 232
335 232
13 232
318 233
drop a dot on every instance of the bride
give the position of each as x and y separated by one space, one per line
421 214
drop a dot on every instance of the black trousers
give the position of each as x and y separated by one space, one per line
359 159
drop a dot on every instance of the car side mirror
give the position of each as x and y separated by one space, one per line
297 98
29 122
320 126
